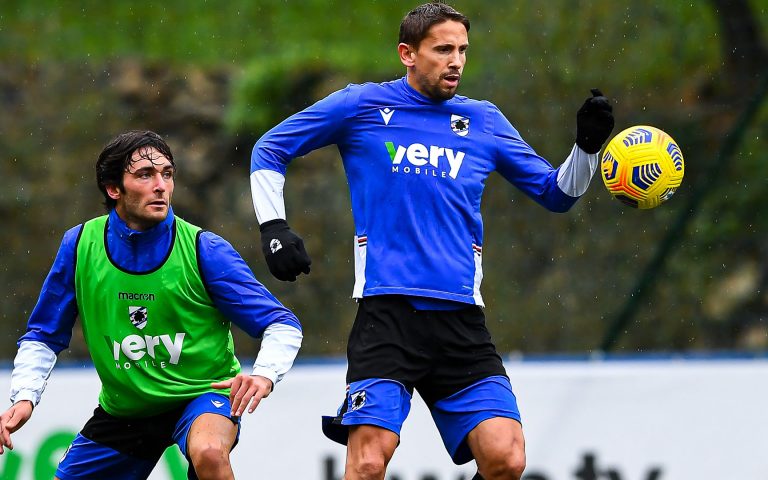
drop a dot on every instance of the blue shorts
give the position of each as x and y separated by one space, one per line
386 403
129 448
445 355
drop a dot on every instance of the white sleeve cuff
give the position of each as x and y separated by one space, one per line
279 346
267 195
31 369
576 172
26 395
266 373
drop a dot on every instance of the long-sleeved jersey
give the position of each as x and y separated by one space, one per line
233 289
416 169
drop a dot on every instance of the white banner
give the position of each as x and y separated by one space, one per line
612 420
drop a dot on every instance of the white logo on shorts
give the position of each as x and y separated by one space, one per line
217 403
357 401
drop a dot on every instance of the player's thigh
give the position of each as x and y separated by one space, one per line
371 444
457 415
498 442
211 431
205 423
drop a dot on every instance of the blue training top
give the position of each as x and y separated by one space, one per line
416 169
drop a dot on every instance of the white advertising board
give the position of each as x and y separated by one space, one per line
583 420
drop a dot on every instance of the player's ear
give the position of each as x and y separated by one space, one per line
113 191
407 54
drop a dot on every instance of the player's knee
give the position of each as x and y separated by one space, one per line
505 466
210 460
516 467
368 468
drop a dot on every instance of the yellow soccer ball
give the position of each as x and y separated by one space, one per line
642 167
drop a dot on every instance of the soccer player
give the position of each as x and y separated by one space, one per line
417 157
155 296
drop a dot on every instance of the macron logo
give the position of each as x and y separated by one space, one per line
420 155
217 403
386 114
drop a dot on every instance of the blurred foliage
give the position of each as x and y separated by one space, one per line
213 76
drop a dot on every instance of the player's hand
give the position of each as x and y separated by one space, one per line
594 122
245 389
283 250
11 420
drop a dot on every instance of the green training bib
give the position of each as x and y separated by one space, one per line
155 338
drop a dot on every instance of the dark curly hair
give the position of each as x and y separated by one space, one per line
115 159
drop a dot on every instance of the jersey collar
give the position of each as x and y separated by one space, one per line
119 227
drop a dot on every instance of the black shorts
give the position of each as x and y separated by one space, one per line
436 352
145 438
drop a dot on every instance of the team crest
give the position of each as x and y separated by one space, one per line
138 316
357 400
460 125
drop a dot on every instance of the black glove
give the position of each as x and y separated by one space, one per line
283 250
594 122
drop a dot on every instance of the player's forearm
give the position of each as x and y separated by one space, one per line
576 172
267 195
31 369
279 346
